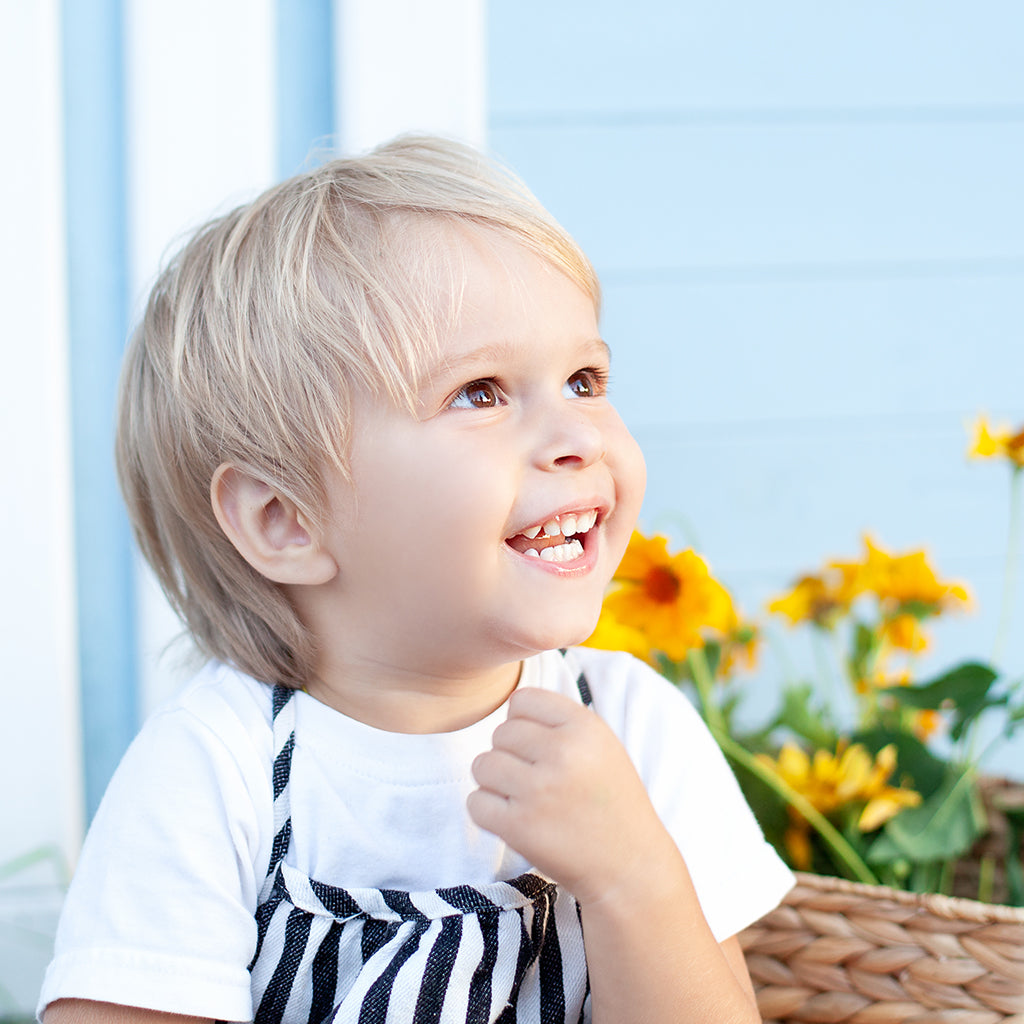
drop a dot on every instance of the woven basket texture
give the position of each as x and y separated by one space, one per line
837 951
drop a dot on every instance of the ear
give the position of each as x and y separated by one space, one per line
267 529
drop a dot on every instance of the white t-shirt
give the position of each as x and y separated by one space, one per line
160 912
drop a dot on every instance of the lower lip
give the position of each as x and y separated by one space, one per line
577 567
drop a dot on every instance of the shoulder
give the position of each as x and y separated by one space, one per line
202 757
218 697
183 834
220 722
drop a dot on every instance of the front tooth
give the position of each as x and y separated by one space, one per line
531 533
552 529
568 524
562 552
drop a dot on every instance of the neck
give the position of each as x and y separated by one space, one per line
390 698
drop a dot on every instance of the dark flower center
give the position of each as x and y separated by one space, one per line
662 585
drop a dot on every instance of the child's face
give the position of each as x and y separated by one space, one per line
441 566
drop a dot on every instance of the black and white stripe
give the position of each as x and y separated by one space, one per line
506 952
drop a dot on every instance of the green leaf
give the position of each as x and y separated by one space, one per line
769 807
713 656
944 826
921 610
865 647
1014 717
964 691
804 718
674 671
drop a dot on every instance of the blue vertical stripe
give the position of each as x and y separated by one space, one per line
305 81
94 139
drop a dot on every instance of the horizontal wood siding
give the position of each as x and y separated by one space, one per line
809 221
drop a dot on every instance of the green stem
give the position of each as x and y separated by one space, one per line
1010 571
49 853
986 879
842 850
946 876
705 686
825 668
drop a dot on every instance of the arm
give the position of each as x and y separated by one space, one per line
559 787
84 1011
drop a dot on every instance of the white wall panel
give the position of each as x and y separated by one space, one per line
201 140
200 116
407 66
39 737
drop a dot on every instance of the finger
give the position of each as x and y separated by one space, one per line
488 810
500 772
523 737
543 706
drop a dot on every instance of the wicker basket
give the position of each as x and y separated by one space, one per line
836 951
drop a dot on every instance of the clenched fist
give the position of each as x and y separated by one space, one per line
560 789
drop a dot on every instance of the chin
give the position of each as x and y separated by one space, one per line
567 636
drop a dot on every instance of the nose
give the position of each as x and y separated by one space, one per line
570 437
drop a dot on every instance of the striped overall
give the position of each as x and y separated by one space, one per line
508 952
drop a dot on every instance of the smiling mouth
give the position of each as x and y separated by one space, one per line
559 539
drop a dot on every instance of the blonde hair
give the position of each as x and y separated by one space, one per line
257 335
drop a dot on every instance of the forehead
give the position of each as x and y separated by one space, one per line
449 285
506 293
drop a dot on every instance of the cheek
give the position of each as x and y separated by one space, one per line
458 499
628 468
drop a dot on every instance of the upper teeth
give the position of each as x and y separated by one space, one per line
565 525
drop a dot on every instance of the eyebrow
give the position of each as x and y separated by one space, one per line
496 351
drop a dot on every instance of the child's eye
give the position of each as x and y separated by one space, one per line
588 383
479 394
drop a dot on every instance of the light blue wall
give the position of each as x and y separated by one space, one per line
304 37
97 272
809 221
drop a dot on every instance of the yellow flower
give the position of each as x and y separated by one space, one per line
849 580
903 631
880 680
848 781
812 599
926 723
797 840
672 599
999 443
907 579
740 649
612 635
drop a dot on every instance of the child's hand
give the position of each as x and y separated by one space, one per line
560 789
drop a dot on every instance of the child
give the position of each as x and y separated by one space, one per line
366 445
